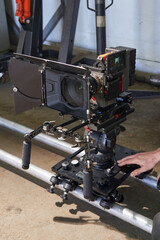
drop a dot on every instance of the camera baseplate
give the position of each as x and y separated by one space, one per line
72 169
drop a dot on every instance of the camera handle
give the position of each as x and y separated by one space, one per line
26 152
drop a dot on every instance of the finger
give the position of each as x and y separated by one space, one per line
128 162
127 158
137 172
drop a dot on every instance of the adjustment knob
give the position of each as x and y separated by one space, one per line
65 165
75 162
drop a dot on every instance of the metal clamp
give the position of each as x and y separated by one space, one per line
95 10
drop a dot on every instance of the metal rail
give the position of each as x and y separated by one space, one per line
45 176
60 145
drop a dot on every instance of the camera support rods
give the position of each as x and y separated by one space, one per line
121 212
43 138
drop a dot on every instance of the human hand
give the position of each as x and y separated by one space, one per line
146 161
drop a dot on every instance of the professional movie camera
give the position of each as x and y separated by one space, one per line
96 98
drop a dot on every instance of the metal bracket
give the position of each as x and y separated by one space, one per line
95 10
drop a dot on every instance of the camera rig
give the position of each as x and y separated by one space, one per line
96 98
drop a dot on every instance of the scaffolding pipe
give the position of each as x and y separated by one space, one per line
121 212
150 181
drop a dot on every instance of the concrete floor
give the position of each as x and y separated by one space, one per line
29 212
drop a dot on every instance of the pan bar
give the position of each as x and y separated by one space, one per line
60 145
117 210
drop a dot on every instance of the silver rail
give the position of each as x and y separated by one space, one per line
60 145
117 210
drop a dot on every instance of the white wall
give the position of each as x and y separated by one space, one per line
135 23
85 36
131 23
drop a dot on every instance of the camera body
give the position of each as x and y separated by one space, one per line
117 72
111 75
69 89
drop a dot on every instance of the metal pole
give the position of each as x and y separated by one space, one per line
100 26
118 211
150 181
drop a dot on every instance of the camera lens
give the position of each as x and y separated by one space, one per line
72 91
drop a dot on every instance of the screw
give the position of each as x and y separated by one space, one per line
28 21
15 89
